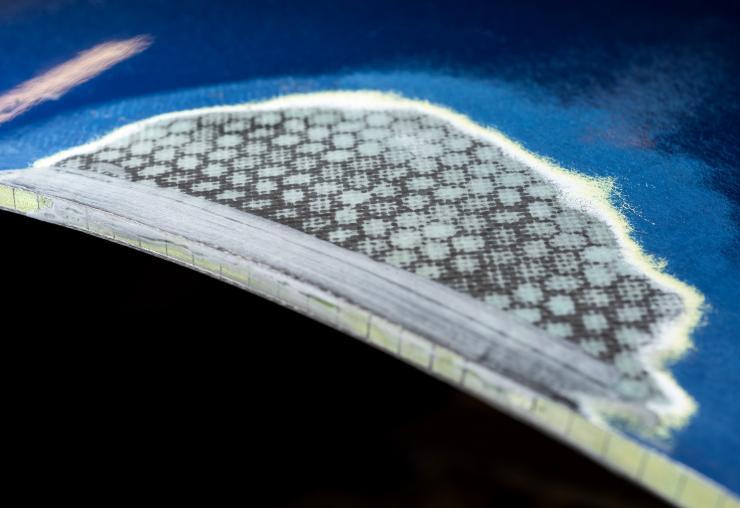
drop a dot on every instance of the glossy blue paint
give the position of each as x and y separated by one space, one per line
645 93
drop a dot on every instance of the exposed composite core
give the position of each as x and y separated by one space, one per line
408 187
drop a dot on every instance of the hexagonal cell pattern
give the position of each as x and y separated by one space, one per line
411 190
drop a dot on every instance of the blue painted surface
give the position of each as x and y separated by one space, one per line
646 93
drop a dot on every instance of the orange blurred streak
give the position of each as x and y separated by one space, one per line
57 81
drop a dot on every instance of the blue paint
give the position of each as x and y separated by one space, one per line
646 94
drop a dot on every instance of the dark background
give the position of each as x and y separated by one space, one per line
134 378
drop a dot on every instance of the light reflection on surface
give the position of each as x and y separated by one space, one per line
57 81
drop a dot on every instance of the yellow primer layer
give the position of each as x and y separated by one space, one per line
416 350
7 200
625 454
26 201
180 253
384 334
448 364
21 200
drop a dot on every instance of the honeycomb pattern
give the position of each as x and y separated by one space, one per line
411 190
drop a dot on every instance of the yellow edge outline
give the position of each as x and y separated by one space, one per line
585 193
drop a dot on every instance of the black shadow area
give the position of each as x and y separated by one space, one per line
133 378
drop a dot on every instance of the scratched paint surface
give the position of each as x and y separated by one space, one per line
403 185
646 95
